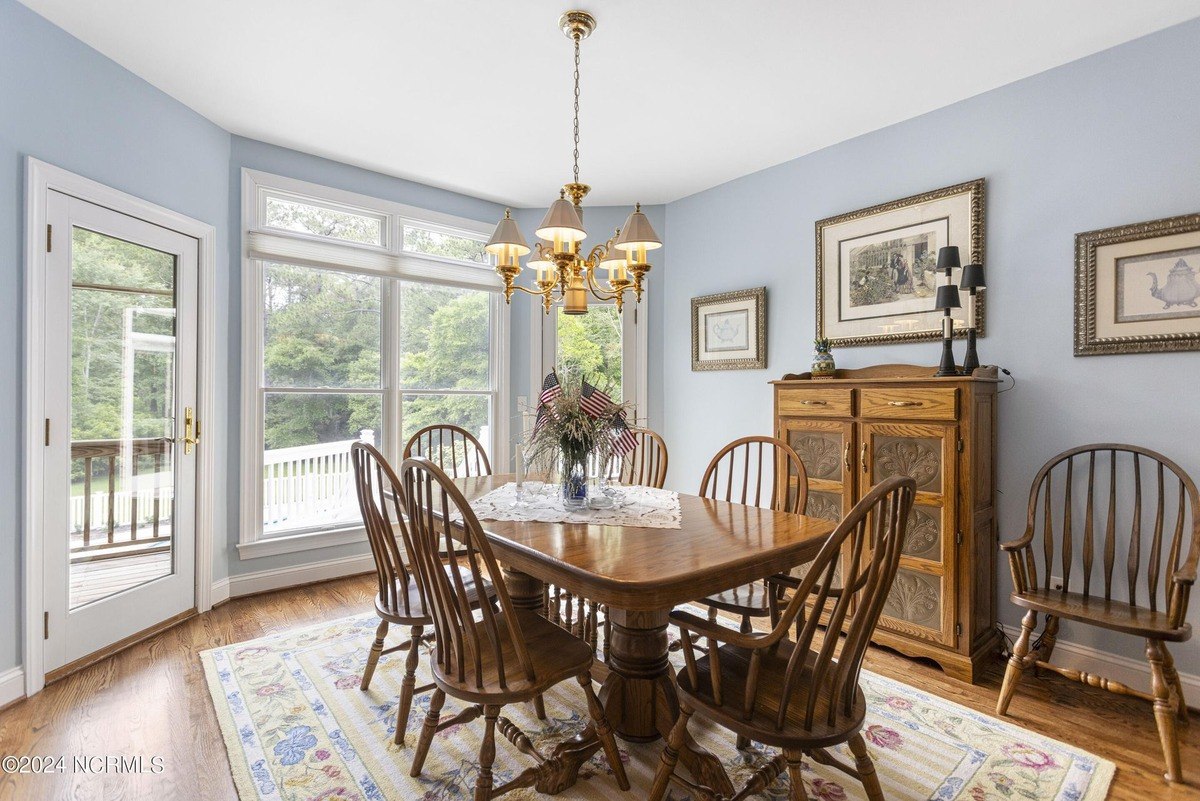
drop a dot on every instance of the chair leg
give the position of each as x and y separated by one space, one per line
1172 676
747 625
796 792
1049 638
712 614
1016 663
427 731
670 755
408 684
603 730
373 657
487 753
865 768
539 707
1164 710
743 742
607 634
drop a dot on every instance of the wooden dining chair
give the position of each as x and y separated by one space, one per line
800 696
737 474
1121 487
452 448
400 601
646 464
496 657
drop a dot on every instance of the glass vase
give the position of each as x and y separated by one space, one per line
574 482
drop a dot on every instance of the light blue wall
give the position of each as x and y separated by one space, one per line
64 103
294 164
1111 139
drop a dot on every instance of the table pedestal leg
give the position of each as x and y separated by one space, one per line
639 694
524 590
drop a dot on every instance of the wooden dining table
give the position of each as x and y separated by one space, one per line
641 574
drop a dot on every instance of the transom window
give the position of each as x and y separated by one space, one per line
371 323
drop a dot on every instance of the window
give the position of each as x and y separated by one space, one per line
357 342
590 345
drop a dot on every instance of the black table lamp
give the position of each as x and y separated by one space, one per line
972 281
947 301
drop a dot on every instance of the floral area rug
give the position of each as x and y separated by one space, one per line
298 728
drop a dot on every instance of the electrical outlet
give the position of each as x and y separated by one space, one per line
1056 582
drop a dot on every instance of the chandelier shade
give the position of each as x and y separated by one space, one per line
561 223
638 234
507 238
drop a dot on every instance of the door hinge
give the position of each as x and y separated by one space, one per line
49 238
45 625
47 432
960 445
635 311
958 538
958 629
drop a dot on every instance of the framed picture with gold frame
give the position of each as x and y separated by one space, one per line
729 330
1137 288
875 267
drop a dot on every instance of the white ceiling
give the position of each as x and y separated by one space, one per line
678 95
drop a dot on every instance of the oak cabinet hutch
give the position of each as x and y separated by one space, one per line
863 426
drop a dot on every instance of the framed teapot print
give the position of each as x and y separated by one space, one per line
1137 288
729 330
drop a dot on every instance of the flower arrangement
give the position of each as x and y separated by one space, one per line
577 424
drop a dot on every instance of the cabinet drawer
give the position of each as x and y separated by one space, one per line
939 403
832 402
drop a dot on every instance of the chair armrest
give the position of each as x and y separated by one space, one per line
1021 542
715 631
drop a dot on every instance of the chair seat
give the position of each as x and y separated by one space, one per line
556 655
735 667
748 599
1114 615
413 613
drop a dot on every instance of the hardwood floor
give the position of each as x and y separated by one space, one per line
151 700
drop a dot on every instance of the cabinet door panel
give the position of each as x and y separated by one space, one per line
921 603
826 447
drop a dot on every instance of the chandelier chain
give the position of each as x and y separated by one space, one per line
576 153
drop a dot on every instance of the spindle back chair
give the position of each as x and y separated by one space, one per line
646 464
496 657
400 600
737 474
799 695
452 448
1119 532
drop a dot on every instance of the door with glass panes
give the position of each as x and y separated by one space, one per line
600 345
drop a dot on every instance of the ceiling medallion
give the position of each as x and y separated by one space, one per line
563 274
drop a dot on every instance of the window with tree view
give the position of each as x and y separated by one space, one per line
356 354
590 345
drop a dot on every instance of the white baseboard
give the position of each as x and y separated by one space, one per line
12 685
1131 672
283 577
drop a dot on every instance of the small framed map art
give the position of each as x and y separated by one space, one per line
729 330
1137 288
876 280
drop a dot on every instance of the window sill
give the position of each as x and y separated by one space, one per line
273 546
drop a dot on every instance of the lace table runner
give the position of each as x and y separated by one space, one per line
643 507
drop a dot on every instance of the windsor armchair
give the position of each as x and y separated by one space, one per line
498 656
400 601
1159 572
452 448
798 695
737 474
646 464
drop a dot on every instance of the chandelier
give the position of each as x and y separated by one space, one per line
563 273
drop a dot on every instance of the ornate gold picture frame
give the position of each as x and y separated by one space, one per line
1137 288
729 330
875 277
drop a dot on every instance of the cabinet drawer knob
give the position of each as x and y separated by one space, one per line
814 403
905 403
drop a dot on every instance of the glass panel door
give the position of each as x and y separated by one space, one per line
118 507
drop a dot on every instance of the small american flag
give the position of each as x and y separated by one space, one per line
624 439
594 401
551 389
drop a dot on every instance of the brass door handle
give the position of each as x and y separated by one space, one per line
814 403
863 457
905 403
846 458
191 430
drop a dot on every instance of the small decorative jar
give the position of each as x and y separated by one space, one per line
822 364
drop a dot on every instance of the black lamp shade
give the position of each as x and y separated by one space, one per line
972 277
947 297
948 258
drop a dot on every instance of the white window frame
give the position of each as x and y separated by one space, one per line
390 261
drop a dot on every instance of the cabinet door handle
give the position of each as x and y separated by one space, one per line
846 458
906 403
814 403
863 457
